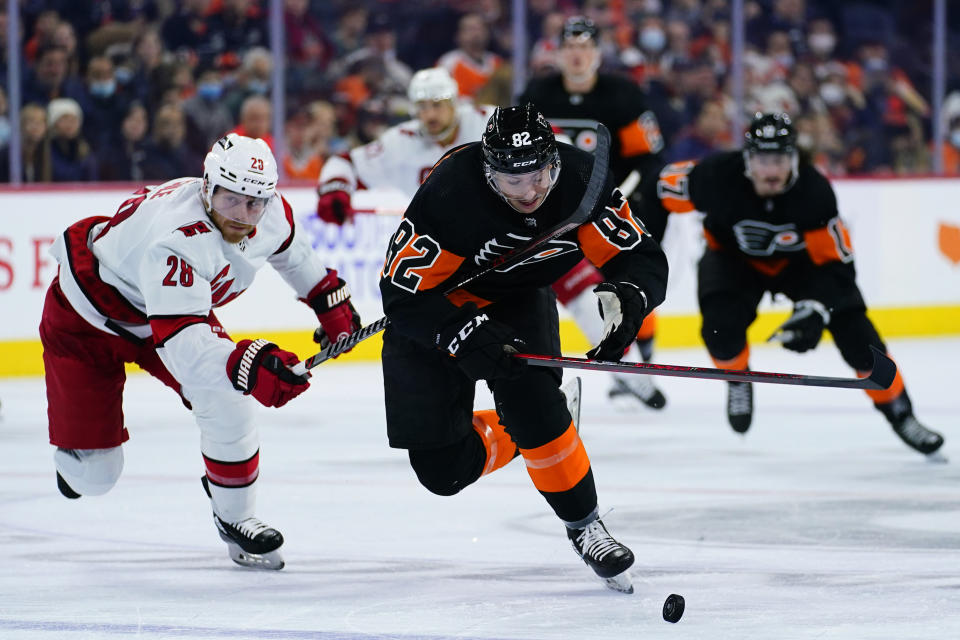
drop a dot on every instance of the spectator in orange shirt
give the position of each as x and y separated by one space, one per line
471 64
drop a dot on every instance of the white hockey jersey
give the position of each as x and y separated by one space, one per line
158 267
402 156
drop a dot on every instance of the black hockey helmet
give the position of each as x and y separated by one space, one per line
770 133
520 158
518 140
579 28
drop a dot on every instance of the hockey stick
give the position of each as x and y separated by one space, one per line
591 196
881 376
629 184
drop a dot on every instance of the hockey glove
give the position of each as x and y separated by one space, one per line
623 306
330 299
483 347
260 369
334 204
802 331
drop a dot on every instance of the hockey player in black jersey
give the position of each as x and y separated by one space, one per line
481 200
771 224
573 100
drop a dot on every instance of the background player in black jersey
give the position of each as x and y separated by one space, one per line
481 200
573 100
771 224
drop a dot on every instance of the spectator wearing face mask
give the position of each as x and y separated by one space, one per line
643 61
253 79
208 119
105 106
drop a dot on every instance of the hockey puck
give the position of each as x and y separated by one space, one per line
673 607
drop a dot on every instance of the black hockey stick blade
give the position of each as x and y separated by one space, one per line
591 196
881 377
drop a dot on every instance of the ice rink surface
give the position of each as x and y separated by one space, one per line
818 523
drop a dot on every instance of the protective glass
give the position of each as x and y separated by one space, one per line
238 207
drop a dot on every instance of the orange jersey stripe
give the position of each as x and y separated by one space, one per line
616 230
738 362
673 187
640 136
461 297
558 465
411 265
829 244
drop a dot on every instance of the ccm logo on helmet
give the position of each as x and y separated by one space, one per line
256 182
524 163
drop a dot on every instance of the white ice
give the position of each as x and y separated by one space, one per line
818 523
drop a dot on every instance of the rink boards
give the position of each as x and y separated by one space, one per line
906 234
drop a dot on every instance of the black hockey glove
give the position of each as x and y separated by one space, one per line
483 347
802 331
623 306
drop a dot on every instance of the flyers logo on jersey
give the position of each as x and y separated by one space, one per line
756 238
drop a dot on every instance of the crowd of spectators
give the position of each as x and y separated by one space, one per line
138 90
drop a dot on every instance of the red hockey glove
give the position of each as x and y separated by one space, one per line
330 299
483 347
334 204
623 305
260 369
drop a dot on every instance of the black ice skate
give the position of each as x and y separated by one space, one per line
250 542
636 387
916 435
608 558
740 405
899 413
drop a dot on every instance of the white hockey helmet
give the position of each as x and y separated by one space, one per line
242 165
434 84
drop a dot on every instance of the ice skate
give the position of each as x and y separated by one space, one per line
899 413
571 391
608 558
628 389
250 542
740 405
917 436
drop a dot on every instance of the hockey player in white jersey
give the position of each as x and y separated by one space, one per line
401 159
141 287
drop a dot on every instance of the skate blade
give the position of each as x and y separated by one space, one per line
620 582
937 458
271 561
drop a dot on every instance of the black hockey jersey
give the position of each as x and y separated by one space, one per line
800 225
455 225
616 102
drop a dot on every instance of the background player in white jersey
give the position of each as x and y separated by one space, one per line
140 287
402 158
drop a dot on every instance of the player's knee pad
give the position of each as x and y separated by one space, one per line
446 471
89 472
227 428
